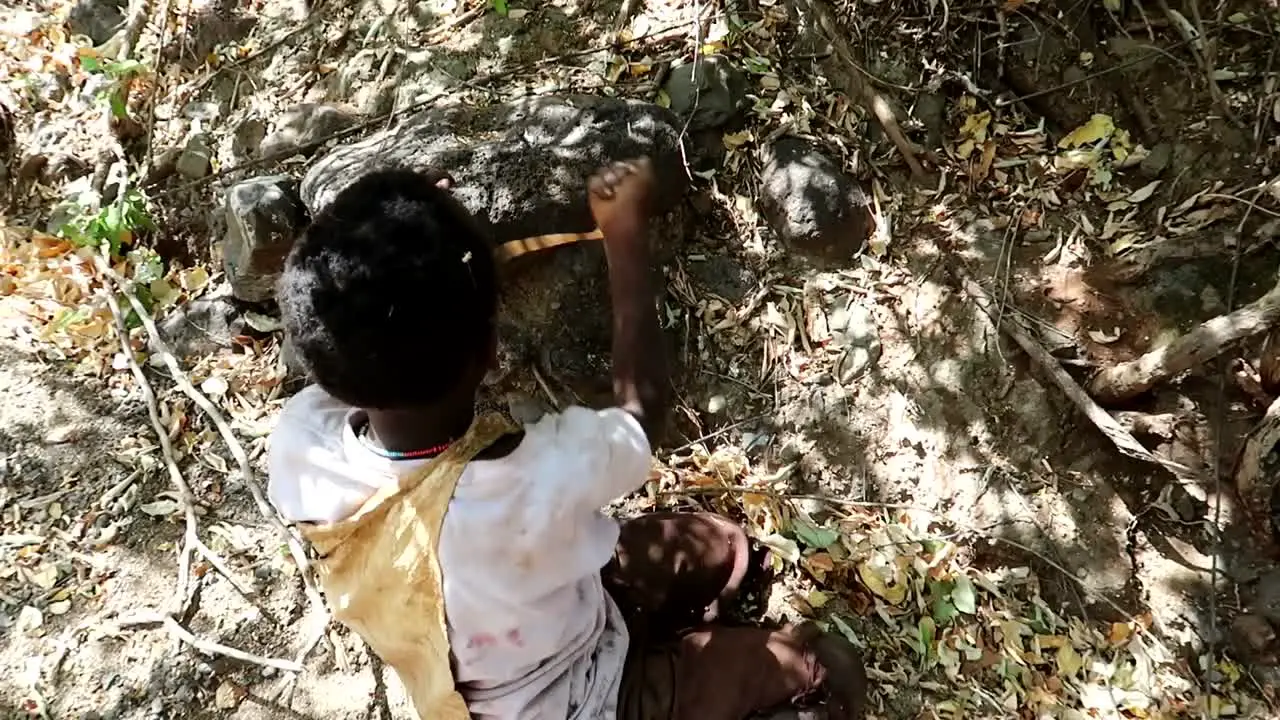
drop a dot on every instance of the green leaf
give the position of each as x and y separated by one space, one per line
845 630
928 631
118 107
963 597
500 7
815 536
90 63
124 67
942 609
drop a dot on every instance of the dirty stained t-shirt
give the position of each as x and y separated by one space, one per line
534 633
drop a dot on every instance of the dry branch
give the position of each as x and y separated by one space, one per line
1130 379
1011 326
180 633
851 77
237 450
191 535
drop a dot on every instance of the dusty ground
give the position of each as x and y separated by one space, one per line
990 547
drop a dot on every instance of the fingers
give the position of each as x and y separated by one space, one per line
605 182
600 188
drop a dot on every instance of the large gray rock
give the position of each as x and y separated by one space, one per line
811 204
264 217
521 169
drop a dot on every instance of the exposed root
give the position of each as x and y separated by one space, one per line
1011 326
184 635
1210 339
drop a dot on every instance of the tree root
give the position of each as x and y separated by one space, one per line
1108 425
1210 339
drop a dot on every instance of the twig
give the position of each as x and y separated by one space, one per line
155 88
717 433
191 537
776 495
237 450
1012 326
1091 76
1203 57
1210 339
208 646
625 12
312 17
437 32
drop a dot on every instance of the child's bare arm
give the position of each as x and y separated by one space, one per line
619 196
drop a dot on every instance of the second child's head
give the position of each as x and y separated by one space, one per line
390 294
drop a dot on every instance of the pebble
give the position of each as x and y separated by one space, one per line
716 404
854 328
195 160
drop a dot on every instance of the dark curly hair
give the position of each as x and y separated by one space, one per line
390 294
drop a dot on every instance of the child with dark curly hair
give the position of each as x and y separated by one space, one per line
474 557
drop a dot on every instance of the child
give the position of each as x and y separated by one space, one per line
474 558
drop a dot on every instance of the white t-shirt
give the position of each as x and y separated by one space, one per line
534 633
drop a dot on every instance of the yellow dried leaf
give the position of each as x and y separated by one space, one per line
1119 633
193 279
45 576
1069 661
820 561
975 126
884 581
736 140
1099 127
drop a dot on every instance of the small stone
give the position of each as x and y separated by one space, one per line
96 19
194 162
811 204
716 404
248 138
304 126
63 434
203 111
1156 161
710 89
165 165
264 216
201 327
859 337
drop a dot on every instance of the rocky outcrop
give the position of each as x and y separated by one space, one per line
521 168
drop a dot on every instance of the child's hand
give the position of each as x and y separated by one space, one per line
619 196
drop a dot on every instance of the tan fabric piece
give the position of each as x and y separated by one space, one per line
382 579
